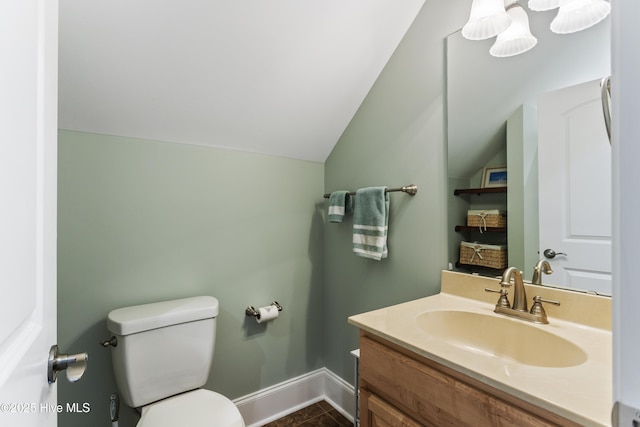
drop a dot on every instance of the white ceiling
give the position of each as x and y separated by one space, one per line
280 77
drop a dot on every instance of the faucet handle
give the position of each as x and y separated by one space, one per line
538 310
503 301
539 299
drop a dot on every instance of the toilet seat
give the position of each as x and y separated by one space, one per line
198 408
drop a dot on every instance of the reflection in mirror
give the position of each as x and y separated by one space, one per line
483 94
575 212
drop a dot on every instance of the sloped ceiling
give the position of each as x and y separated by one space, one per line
280 77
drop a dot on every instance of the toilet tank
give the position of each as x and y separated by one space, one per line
163 348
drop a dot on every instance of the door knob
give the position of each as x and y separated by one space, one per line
550 253
74 364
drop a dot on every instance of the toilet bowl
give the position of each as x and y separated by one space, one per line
162 357
198 408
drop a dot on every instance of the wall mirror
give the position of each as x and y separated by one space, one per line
483 92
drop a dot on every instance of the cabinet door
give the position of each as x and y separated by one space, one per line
378 413
430 394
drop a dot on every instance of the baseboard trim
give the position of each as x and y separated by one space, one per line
340 394
274 402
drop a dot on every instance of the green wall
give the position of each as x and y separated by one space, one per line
522 194
396 138
143 221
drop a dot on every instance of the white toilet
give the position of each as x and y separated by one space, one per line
163 356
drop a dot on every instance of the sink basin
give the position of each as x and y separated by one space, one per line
501 337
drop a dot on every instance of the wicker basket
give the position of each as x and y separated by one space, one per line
493 256
486 218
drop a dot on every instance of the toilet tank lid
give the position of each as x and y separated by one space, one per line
139 318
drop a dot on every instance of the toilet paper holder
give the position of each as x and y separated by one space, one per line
251 310
74 364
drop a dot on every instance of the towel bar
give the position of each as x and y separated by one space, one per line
411 189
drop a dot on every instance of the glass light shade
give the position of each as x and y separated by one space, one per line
542 5
487 19
577 15
517 38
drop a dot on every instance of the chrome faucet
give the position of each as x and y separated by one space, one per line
519 307
541 267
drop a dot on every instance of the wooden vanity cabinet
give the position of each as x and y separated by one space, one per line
400 388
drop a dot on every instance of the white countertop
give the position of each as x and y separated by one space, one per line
581 393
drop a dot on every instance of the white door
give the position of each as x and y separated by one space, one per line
625 97
574 166
28 147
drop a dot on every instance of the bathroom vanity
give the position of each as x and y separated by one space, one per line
449 359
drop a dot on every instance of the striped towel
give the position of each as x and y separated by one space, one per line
370 223
340 204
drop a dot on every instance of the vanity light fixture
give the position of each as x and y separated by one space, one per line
508 20
577 15
517 38
543 5
488 18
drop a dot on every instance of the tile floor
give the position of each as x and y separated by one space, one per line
319 414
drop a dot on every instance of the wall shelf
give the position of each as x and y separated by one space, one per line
486 271
488 235
460 228
478 191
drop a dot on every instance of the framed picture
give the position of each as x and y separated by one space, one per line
494 176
